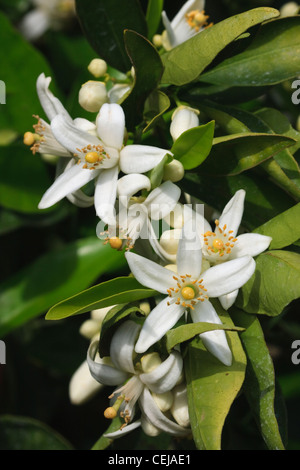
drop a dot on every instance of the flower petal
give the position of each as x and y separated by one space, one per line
129 185
105 195
140 158
162 318
122 346
157 418
123 431
34 24
251 244
51 105
164 377
229 276
189 254
103 373
150 274
67 183
214 341
162 200
111 125
233 212
228 300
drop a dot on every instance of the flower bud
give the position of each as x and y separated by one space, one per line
148 427
97 67
149 362
100 313
179 408
89 329
92 96
289 9
157 40
145 306
183 119
173 171
164 401
82 386
169 240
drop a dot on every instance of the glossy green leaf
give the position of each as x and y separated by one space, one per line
284 229
212 387
153 16
21 64
243 152
119 290
156 175
275 283
103 23
186 62
51 278
259 385
23 179
144 57
273 57
155 106
193 146
22 433
187 332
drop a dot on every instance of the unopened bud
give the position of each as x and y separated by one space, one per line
89 329
179 408
183 119
173 171
148 427
82 385
145 306
157 40
289 9
149 362
92 96
164 401
97 67
169 240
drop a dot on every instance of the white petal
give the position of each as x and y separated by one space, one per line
189 254
233 212
183 119
123 431
103 373
122 346
140 158
157 418
34 24
228 300
105 195
169 29
117 92
162 318
68 182
229 276
214 341
70 137
188 6
162 200
111 125
164 377
80 199
150 274
85 125
129 185
51 105
251 244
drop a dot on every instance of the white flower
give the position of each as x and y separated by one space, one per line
98 152
183 119
223 244
46 14
189 21
139 382
189 290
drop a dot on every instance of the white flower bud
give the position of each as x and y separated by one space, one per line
169 240
175 217
148 427
173 171
92 96
97 67
145 306
89 329
164 401
289 9
157 40
100 313
149 362
183 119
179 408
82 386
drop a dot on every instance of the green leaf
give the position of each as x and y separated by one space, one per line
23 179
156 175
187 332
153 16
275 283
212 387
186 62
284 229
51 278
22 433
193 146
103 23
259 385
144 57
273 57
21 64
115 291
156 105
243 152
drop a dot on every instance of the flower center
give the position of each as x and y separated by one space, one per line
188 292
218 245
197 20
91 156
